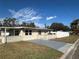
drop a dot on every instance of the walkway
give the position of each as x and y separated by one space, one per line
60 46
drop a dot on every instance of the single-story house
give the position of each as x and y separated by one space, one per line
13 34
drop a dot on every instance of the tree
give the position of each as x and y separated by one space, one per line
9 22
66 28
59 26
75 26
28 24
31 25
1 23
48 27
23 24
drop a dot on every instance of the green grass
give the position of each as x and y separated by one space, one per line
70 39
27 50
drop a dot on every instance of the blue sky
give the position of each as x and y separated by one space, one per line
47 11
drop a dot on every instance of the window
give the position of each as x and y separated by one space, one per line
49 33
39 32
30 32
16 32
26 32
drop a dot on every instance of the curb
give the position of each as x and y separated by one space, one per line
70 50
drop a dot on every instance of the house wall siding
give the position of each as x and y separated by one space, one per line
35 35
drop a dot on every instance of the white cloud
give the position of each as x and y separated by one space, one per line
12 11
29 15
25 14
51 17
35 18
39 25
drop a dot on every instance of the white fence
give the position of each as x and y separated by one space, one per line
60 34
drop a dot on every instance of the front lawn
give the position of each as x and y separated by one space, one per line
26 50
70 39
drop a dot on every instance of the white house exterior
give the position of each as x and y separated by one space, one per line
14 34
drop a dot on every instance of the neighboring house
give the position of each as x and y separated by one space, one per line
13 34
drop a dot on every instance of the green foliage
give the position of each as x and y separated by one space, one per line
31 25
59 26
28 24
9 22
75 26
23 24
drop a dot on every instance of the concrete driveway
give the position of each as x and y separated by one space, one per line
60 46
